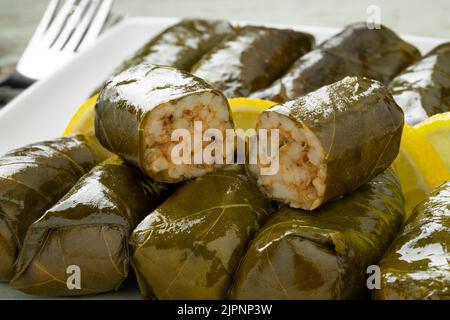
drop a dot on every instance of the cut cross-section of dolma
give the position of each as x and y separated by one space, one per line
251 59
423 89
323 254
190 246
182 44
356 51
332 141
138 111
85 234
32 179
417 265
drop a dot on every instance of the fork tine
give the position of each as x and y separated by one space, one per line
97 23
57 24
71 24
80 30
38 37
45 22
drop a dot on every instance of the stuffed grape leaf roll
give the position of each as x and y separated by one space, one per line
32 179
323 254
138 111
423 89
331 141
251 59
191 245
182 44
417 265
378 54
87 229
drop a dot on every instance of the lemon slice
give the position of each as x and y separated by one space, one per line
424 159
435 132
82 122
414 187
246 111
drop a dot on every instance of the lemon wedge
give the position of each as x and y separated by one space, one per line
435 132
414 187
82 122
245 111
423 162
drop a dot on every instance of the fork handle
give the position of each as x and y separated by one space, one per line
18 80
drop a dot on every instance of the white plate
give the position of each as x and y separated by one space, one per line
44 109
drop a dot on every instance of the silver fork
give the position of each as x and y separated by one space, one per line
58 37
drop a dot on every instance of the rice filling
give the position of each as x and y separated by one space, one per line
208 108
300 181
